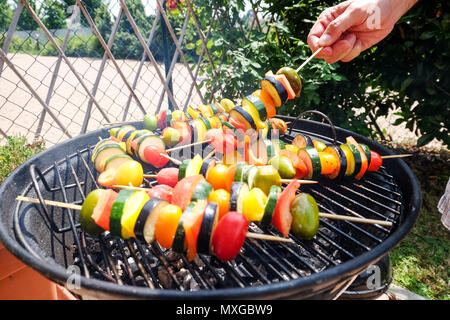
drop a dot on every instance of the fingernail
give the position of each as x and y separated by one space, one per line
324 40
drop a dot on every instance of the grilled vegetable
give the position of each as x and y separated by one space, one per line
301 141
168 176
364 161
217 176
191 225
328 163
202 191
286 85
311 158
183 191
240 116
229 235
144 229
270 206
300 168
161 191
284 166
131 210
375 161
275 89
117 210
293 78
179 243
267 100
282 216
341 166
353 159
88 215
265 177
254 204
239 191
305 214
209 222
222 198
166 225
129 173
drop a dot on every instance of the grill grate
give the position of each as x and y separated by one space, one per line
130 262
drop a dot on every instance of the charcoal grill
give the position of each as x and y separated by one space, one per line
50 240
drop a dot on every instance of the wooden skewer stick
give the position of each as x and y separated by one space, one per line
117 186
51 203
257 236
117 123
309 59
301 181
210 155
188 145
269 237
78 208
354 219
393 156
177 162
150 176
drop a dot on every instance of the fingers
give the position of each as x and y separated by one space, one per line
336 28
341 48
354 52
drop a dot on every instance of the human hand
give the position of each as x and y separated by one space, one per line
353 26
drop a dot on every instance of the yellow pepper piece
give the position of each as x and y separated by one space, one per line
131 210
254 205
206 110
201 129
193 113
255 115
194 166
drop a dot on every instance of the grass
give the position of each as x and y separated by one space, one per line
421 261
15 152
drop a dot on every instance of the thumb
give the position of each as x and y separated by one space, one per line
336 28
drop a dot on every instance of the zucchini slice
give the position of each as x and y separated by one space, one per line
240 115
270 206
105 152
210 219
178 244
270 149
275 89
207 165
115 226
182 169
116 161
238 192
301 141
143 216
367 152
315 161
202 191
239 174
257 104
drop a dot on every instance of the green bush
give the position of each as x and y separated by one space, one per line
405 68
15 152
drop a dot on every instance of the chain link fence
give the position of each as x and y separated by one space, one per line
67 67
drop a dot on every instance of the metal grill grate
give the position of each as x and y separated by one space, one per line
132 263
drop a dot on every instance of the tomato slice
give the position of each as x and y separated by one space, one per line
285 82
183 191
375 161
168 176
161 191
231 171
162 119
191 226
102 210
229 235
282 217
153 156
364 160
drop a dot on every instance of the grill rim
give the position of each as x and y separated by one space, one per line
282 289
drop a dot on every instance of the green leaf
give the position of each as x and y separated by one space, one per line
424 140
190 46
